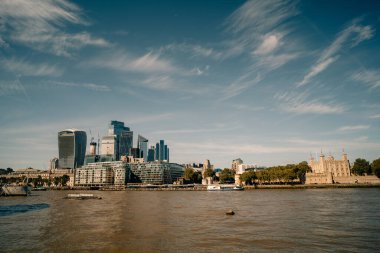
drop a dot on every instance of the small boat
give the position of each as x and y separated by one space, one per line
230 212
39 188
82 196
238 188
219 187
15 190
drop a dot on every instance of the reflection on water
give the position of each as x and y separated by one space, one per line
312 220
14 209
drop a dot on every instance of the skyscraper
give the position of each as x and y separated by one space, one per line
151 154
142 145
162 150
157 154
71 148
123 140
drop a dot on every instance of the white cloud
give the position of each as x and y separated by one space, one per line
28 69
300 103
316 69
376 116
89 86
198 71
272 62
353 128
270 43
356 32
261 16
368 77
195 50
122 61
240 85
38 24
151 63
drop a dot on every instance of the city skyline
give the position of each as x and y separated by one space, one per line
266 81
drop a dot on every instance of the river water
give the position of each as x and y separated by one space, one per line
304 220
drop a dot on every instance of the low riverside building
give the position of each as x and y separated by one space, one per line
102 174
156 172
120 173
28 173
327 170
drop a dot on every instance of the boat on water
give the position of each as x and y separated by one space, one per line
39 188
82 196
216 187
15 190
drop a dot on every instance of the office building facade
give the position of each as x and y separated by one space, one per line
142 145
71 148
118 142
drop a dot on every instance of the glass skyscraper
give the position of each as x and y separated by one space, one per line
142 145
71 148
124 138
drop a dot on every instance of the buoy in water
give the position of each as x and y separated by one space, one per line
230 212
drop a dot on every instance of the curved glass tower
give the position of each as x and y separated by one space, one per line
71 148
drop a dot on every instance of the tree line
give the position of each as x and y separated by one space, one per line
363 167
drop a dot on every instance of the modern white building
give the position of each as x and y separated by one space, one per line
119 173
241 168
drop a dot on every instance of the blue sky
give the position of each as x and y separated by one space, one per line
268 81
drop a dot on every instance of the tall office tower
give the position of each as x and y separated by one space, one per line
166 152
135 152
157 154
162 150
123 138
142 145
151 154
71 148
109 146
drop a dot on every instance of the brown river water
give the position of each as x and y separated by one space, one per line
303 220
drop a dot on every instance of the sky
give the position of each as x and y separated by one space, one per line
270 82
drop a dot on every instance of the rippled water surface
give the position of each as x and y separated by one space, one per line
312 220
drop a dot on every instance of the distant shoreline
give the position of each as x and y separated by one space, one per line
204 187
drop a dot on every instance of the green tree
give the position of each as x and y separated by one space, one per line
301 169
57 180
65 179
197 177
376 167
9 170
248 177
227 176
188 174
361 166
209 173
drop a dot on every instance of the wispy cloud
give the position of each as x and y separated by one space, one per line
301 103
11 87
269 44
369 77
122 61
193 50
260 26
375 116
89 86
353 128
349 37
28 69
240 85
39 24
